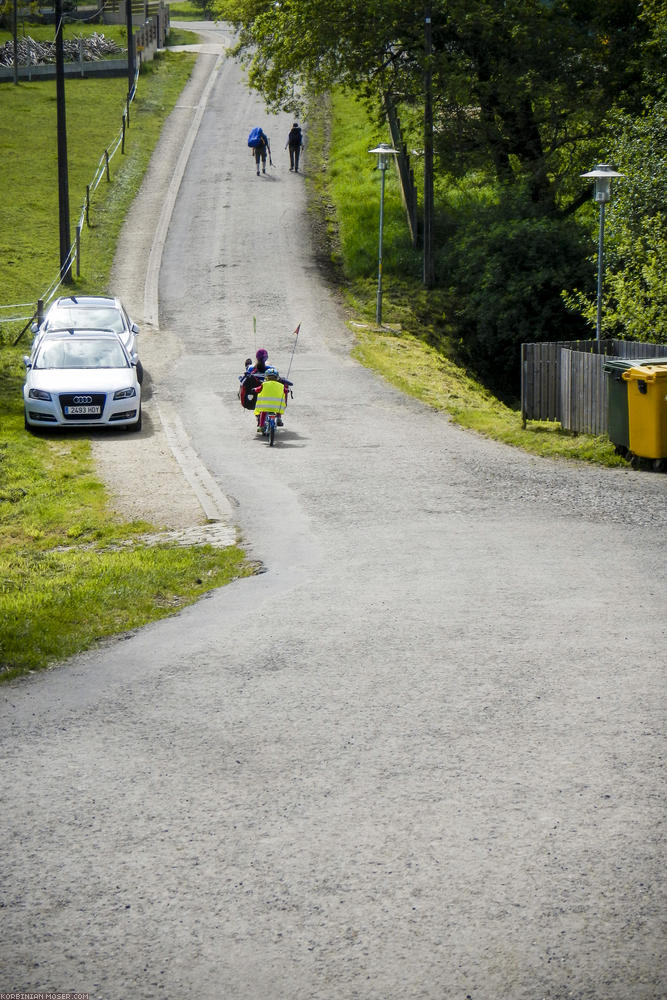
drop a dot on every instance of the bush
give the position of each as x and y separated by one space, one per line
506 269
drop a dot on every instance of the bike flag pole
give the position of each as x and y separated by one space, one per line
296 337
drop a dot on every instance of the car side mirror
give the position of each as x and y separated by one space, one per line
34 327
135 328
26 361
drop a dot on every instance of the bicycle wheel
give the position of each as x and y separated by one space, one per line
272 430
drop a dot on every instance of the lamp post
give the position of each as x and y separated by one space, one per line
383 152
602 174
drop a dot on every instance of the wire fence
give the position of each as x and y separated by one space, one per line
28 312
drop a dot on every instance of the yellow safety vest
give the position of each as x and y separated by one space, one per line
271 397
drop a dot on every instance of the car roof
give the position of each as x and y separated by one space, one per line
86 300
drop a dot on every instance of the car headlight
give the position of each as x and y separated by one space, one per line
39 394
125 393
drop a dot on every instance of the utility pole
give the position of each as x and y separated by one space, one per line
16 41
63 182
130 50
428 154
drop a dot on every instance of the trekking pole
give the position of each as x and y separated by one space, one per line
254 333
296 337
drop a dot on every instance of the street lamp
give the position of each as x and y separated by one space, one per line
602 175
383 152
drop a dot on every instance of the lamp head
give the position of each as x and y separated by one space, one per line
383 152
602 175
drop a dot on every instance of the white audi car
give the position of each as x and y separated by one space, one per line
84 378
91 312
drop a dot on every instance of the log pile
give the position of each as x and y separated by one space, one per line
32 53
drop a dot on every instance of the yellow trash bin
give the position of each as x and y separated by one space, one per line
647 410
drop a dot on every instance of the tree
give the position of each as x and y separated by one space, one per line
519 85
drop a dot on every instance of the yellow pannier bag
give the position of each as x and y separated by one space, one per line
271 397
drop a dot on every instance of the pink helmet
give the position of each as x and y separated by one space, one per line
262 355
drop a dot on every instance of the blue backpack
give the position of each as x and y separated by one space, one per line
255 138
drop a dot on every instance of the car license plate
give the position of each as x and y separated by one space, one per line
83 411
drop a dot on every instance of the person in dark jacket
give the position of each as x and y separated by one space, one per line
294 144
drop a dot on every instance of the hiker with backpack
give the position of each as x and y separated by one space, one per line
259 143
295 144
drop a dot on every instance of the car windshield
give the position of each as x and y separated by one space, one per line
86 317
79 352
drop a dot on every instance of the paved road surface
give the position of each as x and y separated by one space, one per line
420 756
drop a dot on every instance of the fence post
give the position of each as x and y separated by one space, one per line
523 386
40 311
88 205
78 249
122 141
106 163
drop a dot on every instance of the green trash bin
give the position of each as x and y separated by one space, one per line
618 424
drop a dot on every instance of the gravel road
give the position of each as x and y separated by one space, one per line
420 756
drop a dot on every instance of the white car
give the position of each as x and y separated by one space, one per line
84 378
91 312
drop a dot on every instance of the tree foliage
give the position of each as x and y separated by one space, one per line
635 245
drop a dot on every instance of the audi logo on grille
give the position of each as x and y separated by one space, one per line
82 399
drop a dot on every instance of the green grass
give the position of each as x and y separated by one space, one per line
414 350
72 573
186 12
177 36
29 242
56 602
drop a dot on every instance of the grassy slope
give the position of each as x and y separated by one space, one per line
346 191
70 572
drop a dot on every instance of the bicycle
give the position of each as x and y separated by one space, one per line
270 405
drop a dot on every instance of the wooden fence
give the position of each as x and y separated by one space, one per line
566 381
